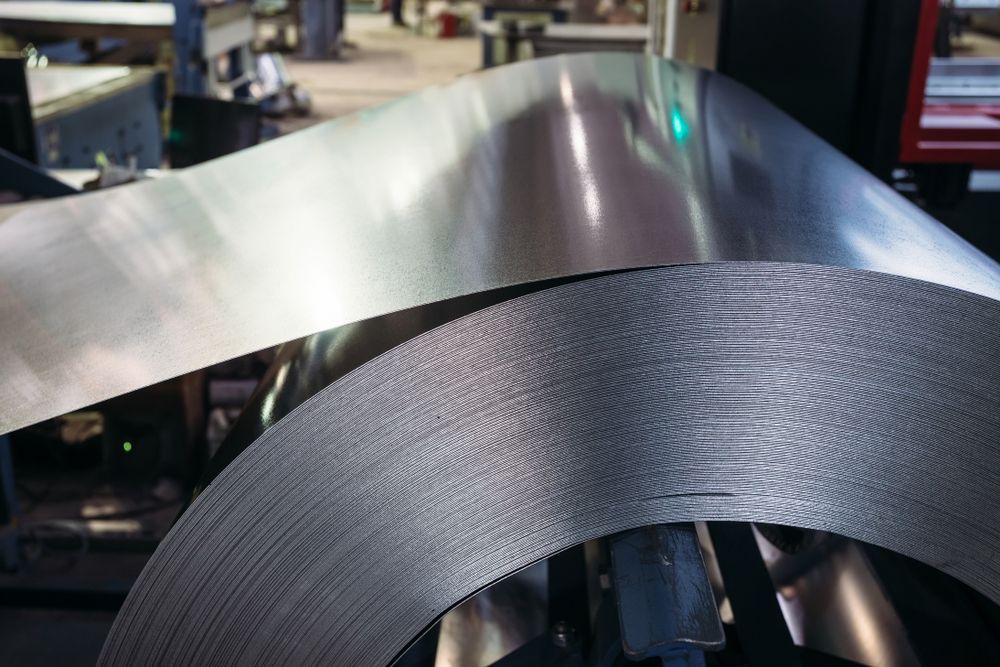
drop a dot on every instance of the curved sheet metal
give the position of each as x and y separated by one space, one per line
304 366
550 168
795 394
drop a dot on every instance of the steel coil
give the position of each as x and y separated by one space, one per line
769 392
777 337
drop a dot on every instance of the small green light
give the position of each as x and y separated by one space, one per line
679 125
127 446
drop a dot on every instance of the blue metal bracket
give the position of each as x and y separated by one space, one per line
666 607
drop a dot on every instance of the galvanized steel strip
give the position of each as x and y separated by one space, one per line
551 168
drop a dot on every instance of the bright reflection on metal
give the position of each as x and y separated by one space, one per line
495 621
917 247
581 152
578 139
113 526
837 606
97 509
566 91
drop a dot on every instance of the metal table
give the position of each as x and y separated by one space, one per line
144 21
555 38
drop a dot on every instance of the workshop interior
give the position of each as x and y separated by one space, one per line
468 333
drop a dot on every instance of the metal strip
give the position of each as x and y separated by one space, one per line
557 167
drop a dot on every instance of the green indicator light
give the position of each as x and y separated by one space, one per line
127 446
679 125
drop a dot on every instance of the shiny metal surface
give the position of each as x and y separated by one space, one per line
838 606
496 621
544 169
126 14
963 81
57 90
48 84
842 400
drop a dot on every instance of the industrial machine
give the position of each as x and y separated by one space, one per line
97 32
548 39
952 120
206 47
614 363
505 27
876 79
77 102
75 117
82 111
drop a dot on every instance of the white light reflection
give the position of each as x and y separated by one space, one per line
864 623
578 143
97 509
566 90
916 250
113 527
267 405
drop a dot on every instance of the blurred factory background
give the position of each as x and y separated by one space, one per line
100 92
97 94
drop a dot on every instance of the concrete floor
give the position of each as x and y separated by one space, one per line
976 45
386 63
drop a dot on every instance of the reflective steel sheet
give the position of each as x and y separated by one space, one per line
549 168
